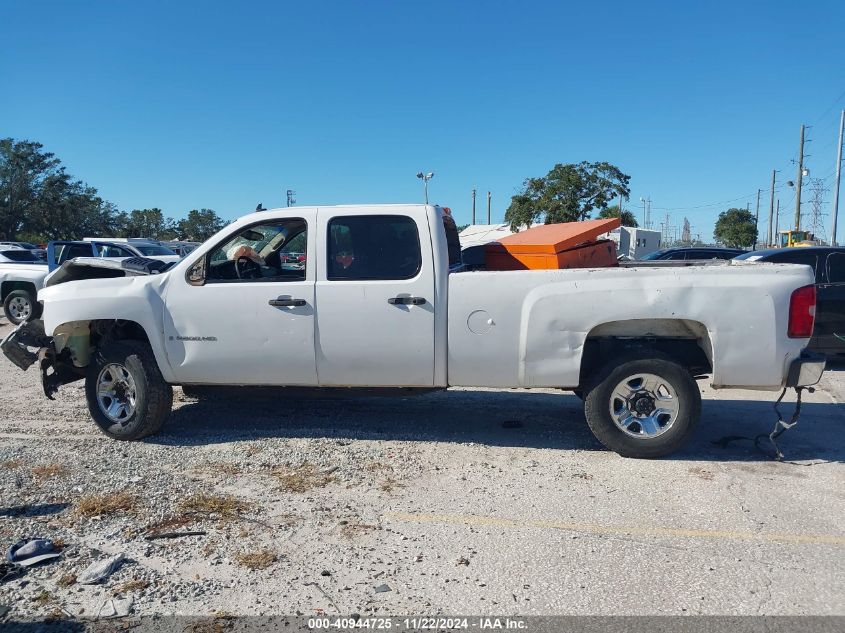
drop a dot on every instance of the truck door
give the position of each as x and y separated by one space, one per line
375 299
243 313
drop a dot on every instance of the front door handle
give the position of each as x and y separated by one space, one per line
286 302
406 301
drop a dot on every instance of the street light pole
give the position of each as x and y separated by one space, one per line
425 178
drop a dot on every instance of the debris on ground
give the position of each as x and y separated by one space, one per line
100 570
115 608
28 552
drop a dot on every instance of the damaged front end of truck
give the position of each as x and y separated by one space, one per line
63 357
28 344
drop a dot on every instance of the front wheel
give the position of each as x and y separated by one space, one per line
127 396
643 407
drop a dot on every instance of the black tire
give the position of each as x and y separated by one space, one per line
667 433
20 306
153 397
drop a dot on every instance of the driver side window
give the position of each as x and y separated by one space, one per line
271 251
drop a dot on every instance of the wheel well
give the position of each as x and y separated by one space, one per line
10 286
687 342
103 330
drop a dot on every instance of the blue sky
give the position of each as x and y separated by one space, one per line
223 105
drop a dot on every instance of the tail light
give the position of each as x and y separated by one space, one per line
802 312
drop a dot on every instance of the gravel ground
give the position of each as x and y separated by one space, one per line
466 501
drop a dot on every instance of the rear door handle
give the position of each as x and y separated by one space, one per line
286 302
406 301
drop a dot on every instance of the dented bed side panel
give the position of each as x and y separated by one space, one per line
529 328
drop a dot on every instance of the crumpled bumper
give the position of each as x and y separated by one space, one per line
17 346
806 370
56 369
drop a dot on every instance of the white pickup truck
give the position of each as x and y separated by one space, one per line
375 298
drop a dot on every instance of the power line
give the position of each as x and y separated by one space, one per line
832 106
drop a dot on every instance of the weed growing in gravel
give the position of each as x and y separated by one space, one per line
109 503
389 485
302 478
225 506
67 580
261 559
351 530
376 466
49 471
220 468
43 598
135 584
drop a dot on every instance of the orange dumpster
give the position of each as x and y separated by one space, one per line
551 246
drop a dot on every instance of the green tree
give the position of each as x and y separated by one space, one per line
568 193
736 228
200 225
24 167
40 201
146 223
628 218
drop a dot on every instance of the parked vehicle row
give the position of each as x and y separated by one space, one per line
22 272
381 302
828 266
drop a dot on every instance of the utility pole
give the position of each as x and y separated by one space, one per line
473 205
777 222
489 221
770 236
838 178
798 182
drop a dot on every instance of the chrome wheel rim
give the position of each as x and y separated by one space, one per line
116 393
644 406
20 308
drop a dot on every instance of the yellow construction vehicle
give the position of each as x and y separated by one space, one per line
792 238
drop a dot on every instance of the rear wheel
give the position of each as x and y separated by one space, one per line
643 407
127 396
20 306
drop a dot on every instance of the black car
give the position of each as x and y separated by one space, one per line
693 252
828 264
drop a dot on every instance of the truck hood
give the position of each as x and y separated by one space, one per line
105 268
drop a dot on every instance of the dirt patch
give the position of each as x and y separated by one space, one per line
303 478
702 473
261 559
214 506
49 471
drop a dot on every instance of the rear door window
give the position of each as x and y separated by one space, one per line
371 247
799 256
836 268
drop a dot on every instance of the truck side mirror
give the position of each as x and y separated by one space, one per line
196 273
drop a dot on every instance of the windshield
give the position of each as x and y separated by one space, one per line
19 256
654 255
153 250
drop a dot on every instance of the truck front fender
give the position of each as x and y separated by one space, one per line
135 300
